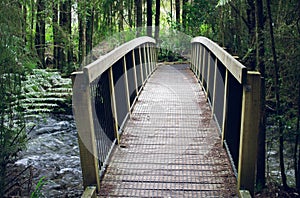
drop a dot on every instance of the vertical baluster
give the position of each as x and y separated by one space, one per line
192 58
203 65
199 61
135 73
114 104
141 65
126 85
224 122
148 59
215 85
208 74
145 62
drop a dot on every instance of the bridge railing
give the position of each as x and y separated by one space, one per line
234 96
104 93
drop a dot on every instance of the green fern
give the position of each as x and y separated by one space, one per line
44 91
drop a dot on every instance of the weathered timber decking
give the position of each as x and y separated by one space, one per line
170 146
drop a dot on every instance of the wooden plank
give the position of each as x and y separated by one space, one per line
237 69
82 111
249 132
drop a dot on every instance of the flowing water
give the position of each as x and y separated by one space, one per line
53 153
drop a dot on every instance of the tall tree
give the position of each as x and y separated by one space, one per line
121 15
130 10
149 18
277 96
297 162
82 30
89 28
260 55
55 32
184 14
139 15
157 19
40 35
177 12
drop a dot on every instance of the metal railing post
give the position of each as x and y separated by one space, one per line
192 57
224 122
126 85
114 104
148 59
249 132
145 63
208 74
199 61
195 59
203 66
215 85
135 73
141 65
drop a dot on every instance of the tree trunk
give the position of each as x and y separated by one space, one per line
89 30
157 17
121 17
40 32
177 10
69 34
63 39
139 16
251 21
32 5
55 26
277 96
171 15
24 23
130 10
82 30
149 18
184 14
297 173
260 53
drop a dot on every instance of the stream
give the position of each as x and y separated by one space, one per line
53 153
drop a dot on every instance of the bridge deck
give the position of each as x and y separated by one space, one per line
170 147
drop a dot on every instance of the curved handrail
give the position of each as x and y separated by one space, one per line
101 106
93 70
237 69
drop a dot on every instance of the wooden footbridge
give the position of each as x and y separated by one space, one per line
163 130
